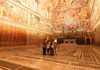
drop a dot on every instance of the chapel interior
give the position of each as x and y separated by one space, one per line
75 24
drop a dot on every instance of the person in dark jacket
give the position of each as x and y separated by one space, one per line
44 47
51 48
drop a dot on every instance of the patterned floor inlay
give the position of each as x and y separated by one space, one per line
76 55
11 66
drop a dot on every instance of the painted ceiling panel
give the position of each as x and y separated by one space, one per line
63 14
73 14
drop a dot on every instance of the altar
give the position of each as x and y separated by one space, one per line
70 41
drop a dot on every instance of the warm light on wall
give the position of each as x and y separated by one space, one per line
35 6
25 7
6 22
98 23
47 14
14 9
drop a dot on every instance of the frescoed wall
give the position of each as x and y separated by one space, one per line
95 22
21 23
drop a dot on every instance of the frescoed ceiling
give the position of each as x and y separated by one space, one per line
63 15
72 14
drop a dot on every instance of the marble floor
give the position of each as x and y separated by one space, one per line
68 57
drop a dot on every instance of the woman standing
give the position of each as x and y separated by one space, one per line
47 45
52 48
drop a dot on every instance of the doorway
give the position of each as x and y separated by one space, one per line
88 41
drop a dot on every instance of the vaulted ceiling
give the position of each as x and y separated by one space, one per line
69 14
64 15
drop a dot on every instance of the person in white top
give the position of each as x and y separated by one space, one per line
55 46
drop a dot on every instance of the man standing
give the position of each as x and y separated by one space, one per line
44 47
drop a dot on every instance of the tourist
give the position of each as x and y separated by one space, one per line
44 47
48 48
47 45
55 46
52 48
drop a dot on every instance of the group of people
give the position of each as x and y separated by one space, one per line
49 47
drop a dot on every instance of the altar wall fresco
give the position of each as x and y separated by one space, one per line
95 22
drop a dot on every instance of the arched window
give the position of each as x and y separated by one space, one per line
36 5
47 14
